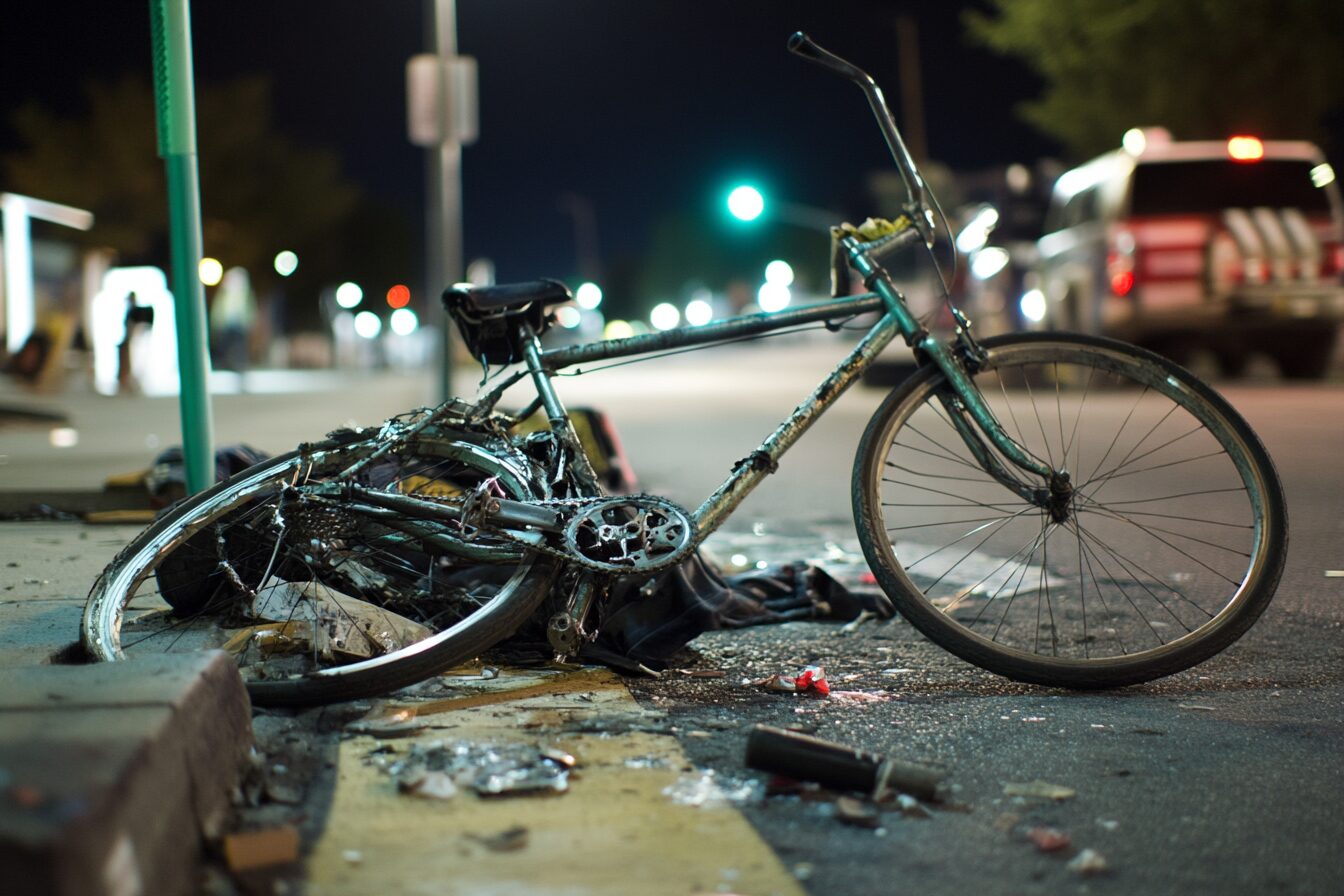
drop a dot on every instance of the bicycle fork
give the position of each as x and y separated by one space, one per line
966 409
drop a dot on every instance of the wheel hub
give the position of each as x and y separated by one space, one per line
1060 499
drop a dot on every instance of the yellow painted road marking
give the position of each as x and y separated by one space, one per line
613 832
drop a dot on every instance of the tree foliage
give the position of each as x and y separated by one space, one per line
260 191
1201 68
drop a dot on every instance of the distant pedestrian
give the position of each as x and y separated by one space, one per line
232 314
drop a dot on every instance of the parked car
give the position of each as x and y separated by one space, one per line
1188 246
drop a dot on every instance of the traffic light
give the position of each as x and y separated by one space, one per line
746 203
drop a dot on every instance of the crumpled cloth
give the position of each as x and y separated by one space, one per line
645 623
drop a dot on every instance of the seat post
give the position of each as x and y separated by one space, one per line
560 423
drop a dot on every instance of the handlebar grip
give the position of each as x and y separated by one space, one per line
802 45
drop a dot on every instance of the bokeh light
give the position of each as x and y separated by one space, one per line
568 316
746 203
286 263
403 322
779 271
699 312
773 297
664 316
368 325
210 271
588 296
348 295
617 329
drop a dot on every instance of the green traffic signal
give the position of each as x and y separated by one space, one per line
746 203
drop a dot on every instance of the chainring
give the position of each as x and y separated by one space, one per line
630 534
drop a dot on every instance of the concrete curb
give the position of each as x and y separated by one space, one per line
112 775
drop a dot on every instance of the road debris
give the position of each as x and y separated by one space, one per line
856 812
834 765
860 696
507 840
1089 862
318 618
811 681
852 625
911 807
708 790
439 768
1048 839
431 785
1039 789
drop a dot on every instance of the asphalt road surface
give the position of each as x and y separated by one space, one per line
1222 779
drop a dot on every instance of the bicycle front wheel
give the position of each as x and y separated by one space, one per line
319 597
1168 549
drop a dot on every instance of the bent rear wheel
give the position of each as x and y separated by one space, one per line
1167 550
318 596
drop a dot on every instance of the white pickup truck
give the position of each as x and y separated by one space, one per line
1226 247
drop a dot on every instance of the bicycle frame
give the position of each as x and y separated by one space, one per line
895 319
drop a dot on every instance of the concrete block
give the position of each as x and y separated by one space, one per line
112 775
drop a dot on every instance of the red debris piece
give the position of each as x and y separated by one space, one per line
1049 839
812 679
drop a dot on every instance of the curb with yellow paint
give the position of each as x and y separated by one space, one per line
614 831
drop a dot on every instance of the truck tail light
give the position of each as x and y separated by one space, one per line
1120 263
1332 259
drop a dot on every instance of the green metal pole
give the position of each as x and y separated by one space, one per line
170 21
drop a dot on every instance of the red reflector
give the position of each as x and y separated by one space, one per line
1122 282
1245 149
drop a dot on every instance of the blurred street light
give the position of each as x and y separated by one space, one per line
1032 304
568 316
699 312
773 296
779 271
664 316
286 263
368 324
617 329
588 296
210 271
988 262
403 322
348 295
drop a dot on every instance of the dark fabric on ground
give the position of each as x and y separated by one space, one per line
645 624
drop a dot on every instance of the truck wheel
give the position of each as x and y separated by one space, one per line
1306 356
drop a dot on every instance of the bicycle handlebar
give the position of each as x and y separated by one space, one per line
802 45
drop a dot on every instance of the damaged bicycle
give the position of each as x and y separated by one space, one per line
1056 508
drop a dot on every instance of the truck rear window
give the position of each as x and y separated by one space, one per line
1172 188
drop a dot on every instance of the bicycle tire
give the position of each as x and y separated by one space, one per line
1172 547
171 565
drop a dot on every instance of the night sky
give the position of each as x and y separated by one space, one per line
645 108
